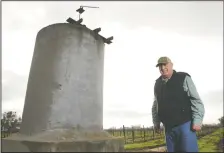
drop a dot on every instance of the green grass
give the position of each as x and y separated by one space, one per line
210 142
144 144
207 143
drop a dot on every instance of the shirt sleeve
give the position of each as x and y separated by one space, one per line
197 105
155 117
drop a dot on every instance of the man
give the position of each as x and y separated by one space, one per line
178 106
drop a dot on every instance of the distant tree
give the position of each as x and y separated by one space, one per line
19 119
221 121
9 121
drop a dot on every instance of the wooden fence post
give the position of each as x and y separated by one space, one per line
153 134
141 131
133 135
144 132
124 134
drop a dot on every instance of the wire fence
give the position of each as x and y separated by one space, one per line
138 135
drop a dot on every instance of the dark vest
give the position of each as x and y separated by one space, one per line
174 106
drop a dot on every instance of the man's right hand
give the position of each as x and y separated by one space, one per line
157 129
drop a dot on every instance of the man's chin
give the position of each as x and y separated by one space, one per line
165 75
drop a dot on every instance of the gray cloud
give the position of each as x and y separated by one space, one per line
186 18
14 86
126 114
213 98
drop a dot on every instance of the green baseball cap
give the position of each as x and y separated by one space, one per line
163 60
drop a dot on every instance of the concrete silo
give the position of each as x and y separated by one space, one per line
63 108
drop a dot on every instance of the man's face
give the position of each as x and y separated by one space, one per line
166 69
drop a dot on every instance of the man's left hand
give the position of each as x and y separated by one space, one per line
196 127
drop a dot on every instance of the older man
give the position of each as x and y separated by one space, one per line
178 106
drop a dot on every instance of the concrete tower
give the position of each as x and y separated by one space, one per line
63 108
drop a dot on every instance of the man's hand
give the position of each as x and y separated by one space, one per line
157 129
196 127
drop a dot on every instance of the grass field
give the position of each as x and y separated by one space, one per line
209 143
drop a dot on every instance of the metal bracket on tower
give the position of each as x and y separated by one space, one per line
72 21
97 30
81 10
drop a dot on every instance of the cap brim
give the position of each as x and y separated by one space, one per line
161 63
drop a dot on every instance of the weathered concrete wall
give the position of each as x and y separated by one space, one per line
66 80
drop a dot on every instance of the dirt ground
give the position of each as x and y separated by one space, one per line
159 149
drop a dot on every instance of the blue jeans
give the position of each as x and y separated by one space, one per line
181 138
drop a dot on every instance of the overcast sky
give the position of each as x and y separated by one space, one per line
190 33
